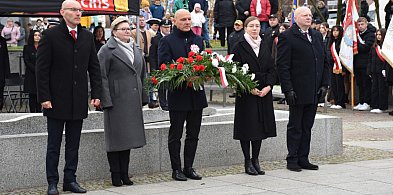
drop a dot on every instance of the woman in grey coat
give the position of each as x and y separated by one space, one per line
123 95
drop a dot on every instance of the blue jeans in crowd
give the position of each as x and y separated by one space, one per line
205 32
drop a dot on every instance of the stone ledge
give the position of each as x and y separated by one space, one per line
23 155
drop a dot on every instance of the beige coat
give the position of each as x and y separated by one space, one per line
149 35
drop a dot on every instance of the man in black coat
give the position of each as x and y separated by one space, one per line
165 29
304 77
4 68
184 103
272 32
243 9
224 16
66 53
235 36
360 62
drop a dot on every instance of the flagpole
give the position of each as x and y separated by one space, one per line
352 90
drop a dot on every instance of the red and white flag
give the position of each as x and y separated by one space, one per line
387 47
349 46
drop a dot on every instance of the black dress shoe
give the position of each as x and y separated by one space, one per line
308 166
257 167
190 173
294 167
249 168
116 180
178 175
73 187
126 180
52 189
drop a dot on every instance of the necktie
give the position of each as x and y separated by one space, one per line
306 34
73 33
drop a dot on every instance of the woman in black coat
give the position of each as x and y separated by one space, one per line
254 113
99 37
377 69
29 56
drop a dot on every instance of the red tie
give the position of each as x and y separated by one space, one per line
73 33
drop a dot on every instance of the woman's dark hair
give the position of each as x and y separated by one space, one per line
95 31
285 25
249 19
383 33
30 40
340 35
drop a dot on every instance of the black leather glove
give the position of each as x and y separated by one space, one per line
290 97
321 94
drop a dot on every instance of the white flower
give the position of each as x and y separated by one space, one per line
252 76
194 48
244 70
234 69
215 62
246 66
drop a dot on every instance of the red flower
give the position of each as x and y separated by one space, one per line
180 60
199 58
180 67
172 66
191 53
208 51
154 80
195 68
163 67
190 60
189 84
201 68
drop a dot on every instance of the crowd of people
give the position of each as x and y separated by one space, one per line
300 58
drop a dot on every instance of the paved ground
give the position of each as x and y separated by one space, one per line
365 167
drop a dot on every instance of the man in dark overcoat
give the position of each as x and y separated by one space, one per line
165 29
66 53
184 103
4 68
304 76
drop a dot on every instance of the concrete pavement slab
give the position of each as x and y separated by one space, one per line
101 192
325 190
278 184
227 190
143 189
381 145
244 178
379 124
196 184
366 187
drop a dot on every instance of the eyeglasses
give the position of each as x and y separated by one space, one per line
123 29
73 9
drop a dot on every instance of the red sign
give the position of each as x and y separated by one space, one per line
97 5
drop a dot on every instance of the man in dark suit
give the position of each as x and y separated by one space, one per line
65 54
165 29
184 103
304 77
4 68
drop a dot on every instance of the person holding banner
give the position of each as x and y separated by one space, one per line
304 76
366 38
184 103
377 69
338 71
254 113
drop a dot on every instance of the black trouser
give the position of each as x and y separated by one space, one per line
1 97
119 161
221 30
73 130
34 106
387 24
193 126
380 94
363 81
301 120
338 89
